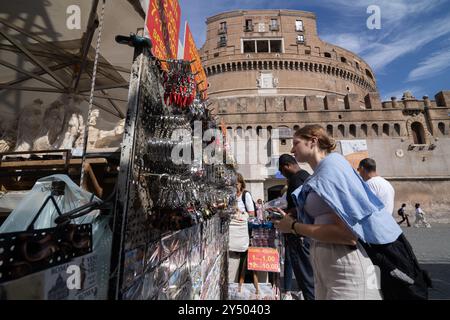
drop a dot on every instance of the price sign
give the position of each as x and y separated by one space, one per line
263 259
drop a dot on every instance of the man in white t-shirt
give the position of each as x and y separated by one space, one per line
381 187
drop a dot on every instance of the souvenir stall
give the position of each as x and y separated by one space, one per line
170 219
162 231
164 235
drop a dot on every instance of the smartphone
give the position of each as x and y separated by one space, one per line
275 215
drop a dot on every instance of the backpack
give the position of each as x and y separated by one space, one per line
401 212
401 276
244 194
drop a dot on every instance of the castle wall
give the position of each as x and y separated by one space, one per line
432 195
395 160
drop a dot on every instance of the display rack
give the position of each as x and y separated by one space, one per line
170 218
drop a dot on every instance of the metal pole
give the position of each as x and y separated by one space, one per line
91 98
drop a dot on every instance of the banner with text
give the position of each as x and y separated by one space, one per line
163 27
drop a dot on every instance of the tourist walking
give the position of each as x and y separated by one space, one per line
420 218
404 215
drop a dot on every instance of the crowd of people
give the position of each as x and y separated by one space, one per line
335 224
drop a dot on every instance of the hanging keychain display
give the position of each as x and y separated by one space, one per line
179 84
173 192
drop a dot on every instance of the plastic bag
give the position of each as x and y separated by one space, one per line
280 202
74 197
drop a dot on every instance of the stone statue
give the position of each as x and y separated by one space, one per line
62 125
28 127
74 124
104 138
112 138
7 136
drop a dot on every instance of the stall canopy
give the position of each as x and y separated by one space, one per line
47 48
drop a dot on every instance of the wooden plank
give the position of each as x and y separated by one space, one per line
48 163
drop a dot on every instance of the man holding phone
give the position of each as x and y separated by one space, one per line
296 248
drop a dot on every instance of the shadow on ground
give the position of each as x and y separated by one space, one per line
440 274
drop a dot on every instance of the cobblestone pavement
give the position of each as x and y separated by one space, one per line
432 248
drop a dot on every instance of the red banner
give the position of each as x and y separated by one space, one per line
190 54
263 259
163 27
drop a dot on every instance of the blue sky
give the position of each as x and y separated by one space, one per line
411 51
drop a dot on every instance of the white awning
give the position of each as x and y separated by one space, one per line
43 54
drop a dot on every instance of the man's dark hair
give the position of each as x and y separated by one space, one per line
286 159
368 164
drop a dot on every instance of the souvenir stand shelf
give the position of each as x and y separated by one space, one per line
170 220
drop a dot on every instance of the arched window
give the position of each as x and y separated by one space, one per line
375 130
386 129
258 130
284 131
418 133
343 59
330 130
269 142
352 131
341 130
397 129
327 55
441 127
364 130
239 131
249 130
230 132
369 74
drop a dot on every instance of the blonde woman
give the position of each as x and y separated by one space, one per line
239 238
336 208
